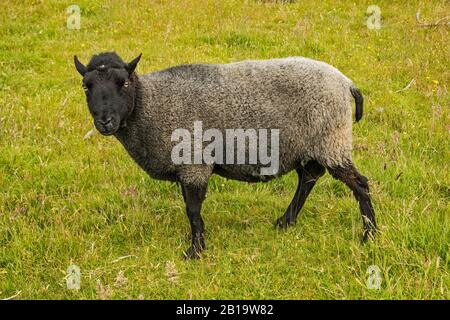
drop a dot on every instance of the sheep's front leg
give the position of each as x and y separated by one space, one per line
307 177
193 197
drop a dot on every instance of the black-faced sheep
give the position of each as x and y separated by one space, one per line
307 101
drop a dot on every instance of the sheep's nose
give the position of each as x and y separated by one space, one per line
106 123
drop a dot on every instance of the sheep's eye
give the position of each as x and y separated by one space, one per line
85 88
126 84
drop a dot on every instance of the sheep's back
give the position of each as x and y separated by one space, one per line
309 101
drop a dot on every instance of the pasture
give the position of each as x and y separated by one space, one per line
67 199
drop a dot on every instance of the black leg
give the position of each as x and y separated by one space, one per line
358 184
183 192
193 197
307 177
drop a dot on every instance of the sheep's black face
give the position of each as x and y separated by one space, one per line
108 95
110 90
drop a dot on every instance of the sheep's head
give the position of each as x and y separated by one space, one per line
110 86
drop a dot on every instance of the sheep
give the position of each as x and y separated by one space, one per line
308 101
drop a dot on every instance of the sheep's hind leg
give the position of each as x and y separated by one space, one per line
358 184
193 197
307 177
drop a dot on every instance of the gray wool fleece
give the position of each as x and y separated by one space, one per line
308 101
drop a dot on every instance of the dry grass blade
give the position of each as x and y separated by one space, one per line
90 134
409 85
440 22
123 257
13 296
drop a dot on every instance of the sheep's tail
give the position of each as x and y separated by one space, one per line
359 101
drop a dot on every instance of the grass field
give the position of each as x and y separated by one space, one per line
65 200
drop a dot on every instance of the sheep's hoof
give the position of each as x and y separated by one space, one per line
193 253
368 234
283 223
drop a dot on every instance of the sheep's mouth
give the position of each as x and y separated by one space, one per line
107 133
107 130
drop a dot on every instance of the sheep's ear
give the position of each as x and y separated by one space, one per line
81 68
132 65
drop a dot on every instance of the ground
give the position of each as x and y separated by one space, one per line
66 200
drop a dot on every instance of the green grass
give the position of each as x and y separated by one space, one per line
65 200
